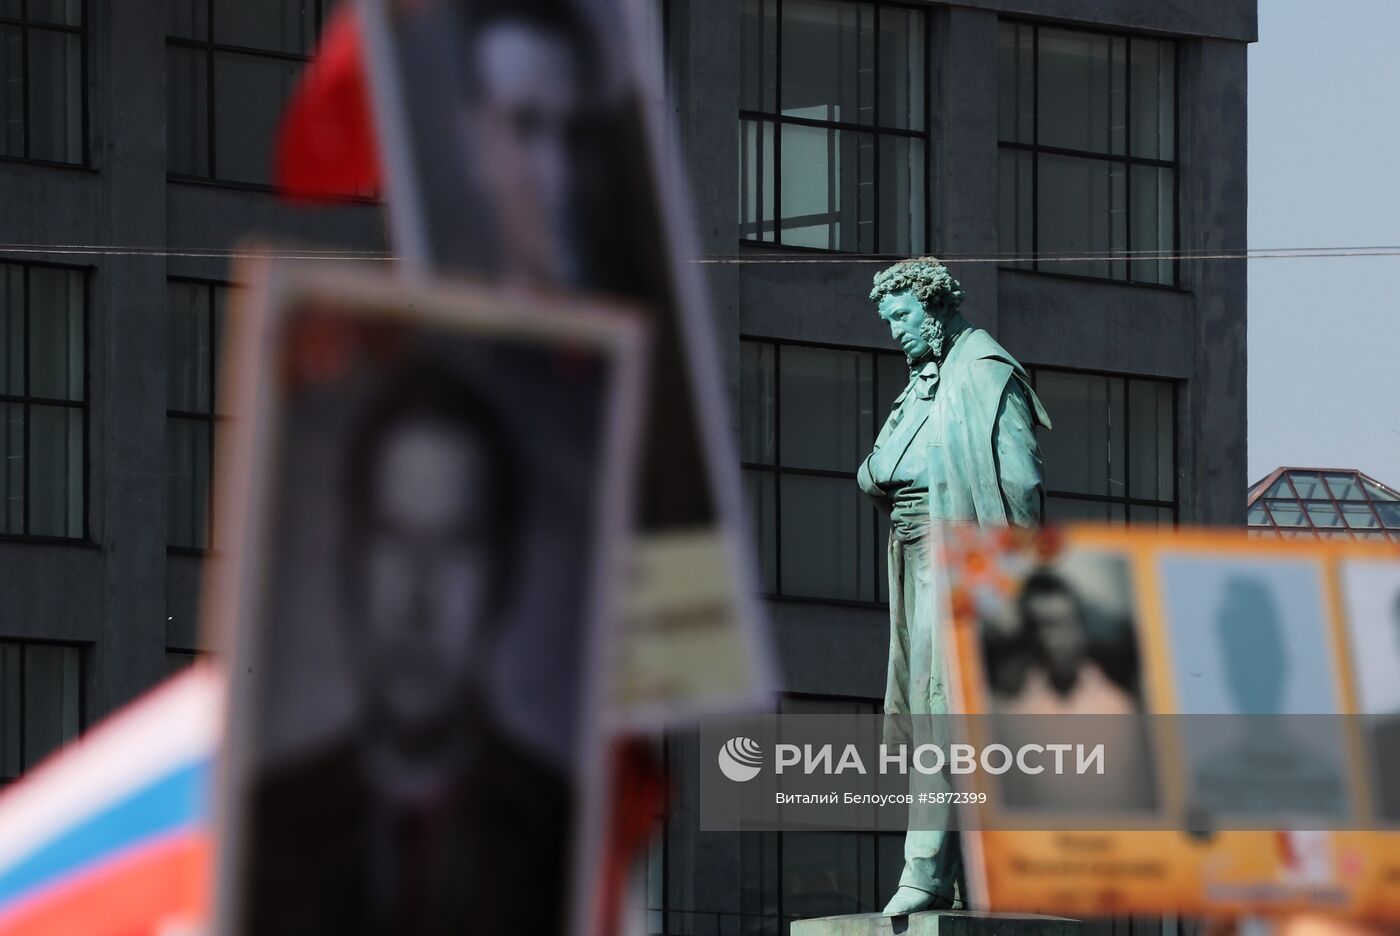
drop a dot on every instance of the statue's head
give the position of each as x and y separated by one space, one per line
917 299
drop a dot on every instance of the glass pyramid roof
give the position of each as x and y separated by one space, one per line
1324 503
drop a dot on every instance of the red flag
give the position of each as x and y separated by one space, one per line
326 147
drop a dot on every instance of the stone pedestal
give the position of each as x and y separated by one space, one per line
939 923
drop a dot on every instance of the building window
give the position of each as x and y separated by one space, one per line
230 67
1087 129
1112 454
801 875
40 702
833 125
193 419
43 401
41 55
808 417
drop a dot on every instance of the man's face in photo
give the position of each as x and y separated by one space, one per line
1057 624
426 569
524 124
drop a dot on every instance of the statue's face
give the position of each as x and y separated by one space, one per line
905 315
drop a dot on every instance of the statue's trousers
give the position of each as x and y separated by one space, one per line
916 687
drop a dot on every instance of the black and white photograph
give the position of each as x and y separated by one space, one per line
437 489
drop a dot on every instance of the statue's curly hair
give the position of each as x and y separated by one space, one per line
926 277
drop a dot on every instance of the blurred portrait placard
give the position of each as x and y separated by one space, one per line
1059 659
428 533
1246 677
1371 602
519 147
1251 637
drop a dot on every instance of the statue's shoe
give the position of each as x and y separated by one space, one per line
912 900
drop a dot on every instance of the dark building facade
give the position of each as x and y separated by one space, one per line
1076 163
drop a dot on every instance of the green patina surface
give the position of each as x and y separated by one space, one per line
959 446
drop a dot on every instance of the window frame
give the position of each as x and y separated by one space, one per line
875 129
1127 501
209 47
24 643
212 419
25 24
779 922
776 470
1032 263
84 406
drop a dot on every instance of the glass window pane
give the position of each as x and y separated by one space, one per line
12 467
1081 216
903 73
63 12
882 555
827 530
756 184
187 19
829 60
56 471
831 873
12 96
892 375
1323 514
1151 456
1081 91
51 696
1287 513
1377 492
189 348
55 333
55 96
187 112
1154 225
1084 452
1308 484
249 92
828 199
1390 514
216 534
1257 515
760 497
1344 487
1359 516
217 329
275 25
11 753
1150 516
12 352
826 416
902 201
1016 83
1072 510
757 382
1154 98
1015 208
188 456
758 55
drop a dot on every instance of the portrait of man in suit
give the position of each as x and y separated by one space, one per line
430 817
